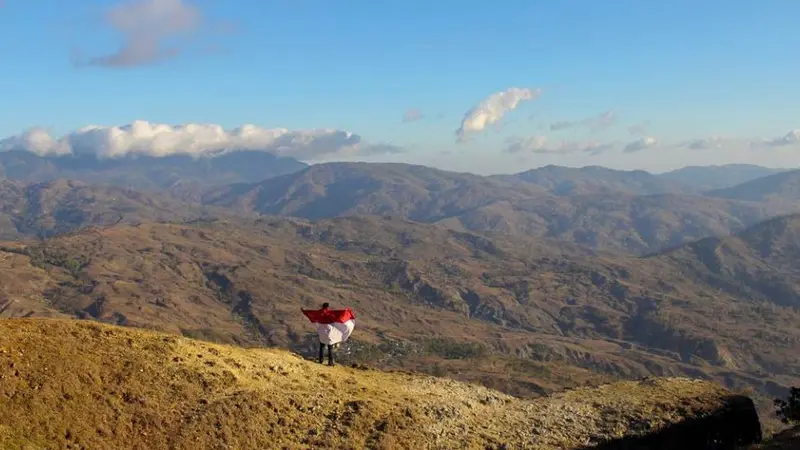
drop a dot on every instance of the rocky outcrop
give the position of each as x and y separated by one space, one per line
733 426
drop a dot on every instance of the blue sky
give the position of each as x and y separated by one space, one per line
689 70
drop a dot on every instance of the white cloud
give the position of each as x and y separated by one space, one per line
35 140
491 109
149 30
790 138
541 145
595 123
412 115
641 144
141 137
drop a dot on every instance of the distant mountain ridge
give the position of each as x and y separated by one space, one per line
718 177
613 220
61 206
760 262
783 186
561 180
598 207
334 189
177 173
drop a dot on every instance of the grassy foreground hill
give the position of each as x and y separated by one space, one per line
78 384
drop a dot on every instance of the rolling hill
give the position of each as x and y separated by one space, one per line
181 175
526 316
708 178
607 210
783 187
71 384
49 208
337 189
617 222
760 263
560 180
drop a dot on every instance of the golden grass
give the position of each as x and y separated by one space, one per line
81 384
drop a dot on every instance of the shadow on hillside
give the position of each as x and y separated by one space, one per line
736 426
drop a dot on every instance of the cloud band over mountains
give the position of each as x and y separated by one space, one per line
145 138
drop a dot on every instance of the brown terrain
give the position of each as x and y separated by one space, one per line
602 214
608 210
54 207
529 316
525 286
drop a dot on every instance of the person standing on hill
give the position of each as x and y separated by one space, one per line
334 326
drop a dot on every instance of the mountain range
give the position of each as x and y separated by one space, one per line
609 210
615 220
527 283
548 314
182 175
55 207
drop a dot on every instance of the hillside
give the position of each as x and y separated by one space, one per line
46 209
69 384
760 263
622 223
708 178
330 190
524 316
182 175
596 212
780 187
614 222
560 180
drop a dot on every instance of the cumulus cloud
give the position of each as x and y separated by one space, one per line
149 30
36 140
491 109
141 137
412 115
542 145
790 138
641 144
595 123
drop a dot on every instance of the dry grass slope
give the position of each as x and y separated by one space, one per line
77 384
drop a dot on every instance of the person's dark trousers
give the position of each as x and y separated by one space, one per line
330 353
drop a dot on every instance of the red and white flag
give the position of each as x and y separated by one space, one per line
333 325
